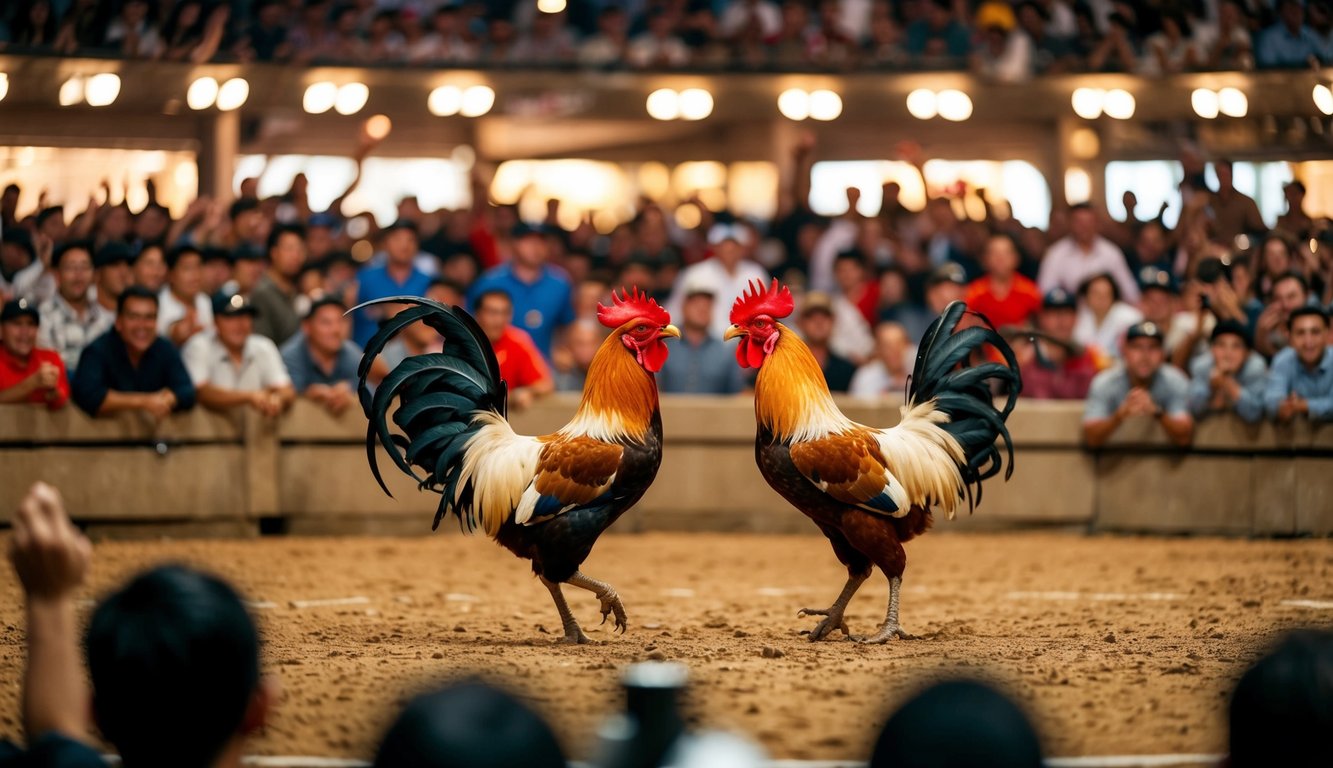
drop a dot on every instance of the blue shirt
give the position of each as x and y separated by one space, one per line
539 307
375 283
105 366
1169 390
1277 47
1289 375
1249 406
304 371
706 369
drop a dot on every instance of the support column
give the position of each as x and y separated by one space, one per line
219 142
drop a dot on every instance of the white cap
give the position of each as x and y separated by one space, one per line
735 231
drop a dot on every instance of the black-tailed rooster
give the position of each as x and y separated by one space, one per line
870 490
543 498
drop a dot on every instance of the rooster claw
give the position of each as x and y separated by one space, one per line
831 622
611 606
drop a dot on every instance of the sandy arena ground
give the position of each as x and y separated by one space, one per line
1117 645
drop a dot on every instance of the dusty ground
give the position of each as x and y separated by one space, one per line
1117 645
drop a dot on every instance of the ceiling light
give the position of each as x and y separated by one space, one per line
922 104
1204 101
102 89
319 98
477 101
351 98
663 104
233 94
202 93
954 105
825 105
550 6
695 104
1088 102
794 104
1323 98
1233 102
378 126
71 91
445 101
1119 104
4 85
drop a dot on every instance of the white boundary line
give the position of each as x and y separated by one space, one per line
1323 605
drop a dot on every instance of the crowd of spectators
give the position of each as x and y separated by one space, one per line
1006 40
243 303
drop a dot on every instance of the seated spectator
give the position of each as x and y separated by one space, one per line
247 266
543 299
1231 379
1142 385
112 274
71 319
1289 42
1053 365
277 297
399 275
1290 293
897 304
468 725
727 271
887 373
184 308
214 270
1084 253
322 360
1004 54
1118 49
1158 296
1005 297
521 363
927 731
1279 712
573 356
28 374
852 277
701 364
657 47
938 39
1171 49
416 339
1151 249
1301 378
945 285
816 326
233 366
1102 316
130 367
606 48
150 268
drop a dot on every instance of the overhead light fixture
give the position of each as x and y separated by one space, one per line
1087 102
351 98
4 85
102 89
1233 102
550 6
794 104
445 101
377 127
922 104
820 104
663 104
1323 98
1119 104
1204 102
825 105
319 97
202 93
233 94
695 104
954 105
477 100
71 91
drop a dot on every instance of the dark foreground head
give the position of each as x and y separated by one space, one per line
1282 708
958 724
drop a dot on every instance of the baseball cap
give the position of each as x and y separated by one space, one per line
816 301
1232 327
698 287
323 219
231 306
1145 330
112 253
16 308
722 232
400 224
947 272
523 229
1058 298
1152 278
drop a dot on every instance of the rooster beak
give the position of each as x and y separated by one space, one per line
670 330
733 332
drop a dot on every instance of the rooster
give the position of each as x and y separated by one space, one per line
871 490
546 498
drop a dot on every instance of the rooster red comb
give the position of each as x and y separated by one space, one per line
776 302
629 305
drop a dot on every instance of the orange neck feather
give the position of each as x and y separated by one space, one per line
620 397
791 397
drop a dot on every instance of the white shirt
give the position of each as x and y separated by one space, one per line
1106 336
1066 265
840 236
852 338
874 380
32 282
726 287
737 16
261 365
170 310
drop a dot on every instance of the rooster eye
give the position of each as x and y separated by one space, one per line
760 323
641 329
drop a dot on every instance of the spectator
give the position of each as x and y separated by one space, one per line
445 42
1084 253
416 339
265 39
468 725
1051 54
1226 44
887 373
1234 213
726 271
1295 223
322 360
1301 379
606 48
247 266
233 366
1143 385
1151 249
1231 379
1171 49
1117 50
399 275
1290 293
184 308
276 297
937 39
1280 713
701 364
816 325
70 318
1289 42
130 367
28 374
897 305
740 15
521 363
1005 297
1102 317
1005 52
853 306
112 274
926 731
658 47
574 355
20 269
542 298
1158 296
149 268
1053 365
214 270
945 285
133 32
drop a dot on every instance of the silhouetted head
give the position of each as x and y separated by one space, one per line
1282 708
958 724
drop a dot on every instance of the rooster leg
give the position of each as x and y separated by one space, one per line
606 594
573 634
890 629
833 614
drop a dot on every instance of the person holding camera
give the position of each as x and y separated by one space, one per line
1215 299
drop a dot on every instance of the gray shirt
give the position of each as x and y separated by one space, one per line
708 368
304 372
1169 390
277 312
1252 377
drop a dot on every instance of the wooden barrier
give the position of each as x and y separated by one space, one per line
207 473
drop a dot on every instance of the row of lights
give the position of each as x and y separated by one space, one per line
950 104
450 100
821 104
1092 103
689 104
205 92
1208 103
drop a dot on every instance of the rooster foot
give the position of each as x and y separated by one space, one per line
574 636
885 634
611 605
833 620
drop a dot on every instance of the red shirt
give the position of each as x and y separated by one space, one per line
521 365
13 372
1016 308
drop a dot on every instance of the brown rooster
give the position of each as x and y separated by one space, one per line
870 490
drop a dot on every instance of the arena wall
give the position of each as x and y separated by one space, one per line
204 473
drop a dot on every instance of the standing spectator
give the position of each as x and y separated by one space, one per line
1102 316
887 373
1158 296
1289 42
701 364
247 266
1004 54
398 276
816 325
214 270
1053 365
521 364
1005 297
726 271
149 268
28 374
71 319
1143 385
321 360
938 39
112 274
1084 253
130 367
1234 213
1151 249
233 366
184 308
1290 293
20 269
1301 380
543 300
1231 379
1296 223
276 296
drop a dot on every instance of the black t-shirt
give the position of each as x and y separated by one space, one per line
51 750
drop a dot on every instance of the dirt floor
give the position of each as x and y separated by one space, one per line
1115 644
